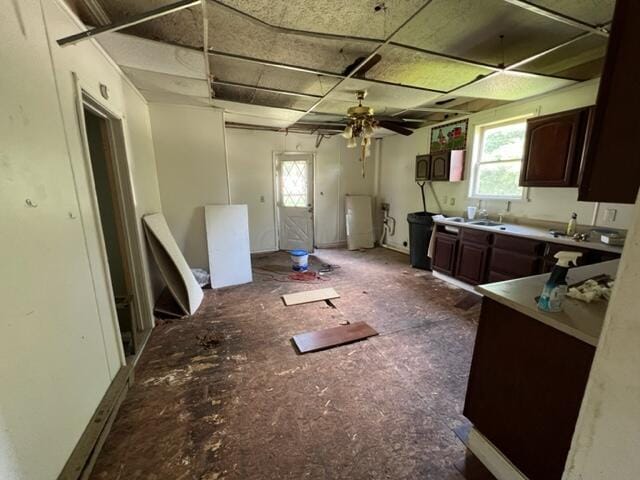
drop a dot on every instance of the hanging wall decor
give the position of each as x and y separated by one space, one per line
452 136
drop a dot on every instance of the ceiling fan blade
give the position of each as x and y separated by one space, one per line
395 127
372 62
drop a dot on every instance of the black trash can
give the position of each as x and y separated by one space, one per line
420 228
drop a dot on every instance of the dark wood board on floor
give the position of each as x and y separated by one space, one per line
332 337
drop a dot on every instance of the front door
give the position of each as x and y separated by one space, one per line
294 175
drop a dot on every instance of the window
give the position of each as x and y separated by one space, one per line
294 183
496 169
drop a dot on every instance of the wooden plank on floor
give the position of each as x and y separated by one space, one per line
309 296
332 337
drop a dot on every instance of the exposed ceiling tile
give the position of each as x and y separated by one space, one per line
161 82
595 12
232 33
136 52
512 86
184 27
357 18
471 29
399 65
257 97
239 71
381 95
581 60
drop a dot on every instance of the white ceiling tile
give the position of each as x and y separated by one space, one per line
162 82
143 54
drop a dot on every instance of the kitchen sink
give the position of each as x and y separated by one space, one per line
485 223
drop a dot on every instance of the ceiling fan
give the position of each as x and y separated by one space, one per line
361 123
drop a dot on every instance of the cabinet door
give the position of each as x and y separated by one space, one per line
516 265
423 168
444 253
472 263
611 170
440 166
553 148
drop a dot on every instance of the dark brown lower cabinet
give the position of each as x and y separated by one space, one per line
471 266
512 264
525 388
445 253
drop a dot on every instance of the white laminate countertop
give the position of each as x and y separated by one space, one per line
578 319
532 232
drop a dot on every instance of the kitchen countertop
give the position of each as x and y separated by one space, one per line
532 232
578 319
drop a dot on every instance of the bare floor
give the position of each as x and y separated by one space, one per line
224 395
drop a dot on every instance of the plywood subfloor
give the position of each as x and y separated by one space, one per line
309 296
223 395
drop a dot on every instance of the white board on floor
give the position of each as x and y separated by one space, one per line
172 264
309 296
359 222
228 244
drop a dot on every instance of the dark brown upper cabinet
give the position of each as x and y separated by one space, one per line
447 166
423 168
553 149
611 171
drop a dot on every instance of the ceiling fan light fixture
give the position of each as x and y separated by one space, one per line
368 130
348 132
352 142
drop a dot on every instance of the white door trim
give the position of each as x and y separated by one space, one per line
116 123
276 192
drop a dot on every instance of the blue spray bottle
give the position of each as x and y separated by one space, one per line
555 289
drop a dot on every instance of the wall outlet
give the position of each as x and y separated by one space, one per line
261 198
610 214
452 201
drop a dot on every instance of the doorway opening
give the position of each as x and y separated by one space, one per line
109 195
294 200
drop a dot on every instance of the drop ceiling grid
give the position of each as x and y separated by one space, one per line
512 86
239 71
471 29
232 33
399 65
595 12
355 18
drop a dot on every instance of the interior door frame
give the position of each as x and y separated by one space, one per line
276 193
131 226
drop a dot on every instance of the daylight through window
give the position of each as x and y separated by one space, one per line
498 164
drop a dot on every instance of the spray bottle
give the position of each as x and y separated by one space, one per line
555 289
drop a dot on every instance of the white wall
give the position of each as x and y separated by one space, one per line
337 173
607 438
58 331
397 184
190 158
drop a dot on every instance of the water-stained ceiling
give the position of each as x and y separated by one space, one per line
278 62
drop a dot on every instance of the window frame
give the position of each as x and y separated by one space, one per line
478 143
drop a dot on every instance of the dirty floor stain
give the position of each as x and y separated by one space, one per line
223 394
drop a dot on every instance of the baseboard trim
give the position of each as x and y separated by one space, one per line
340 244
492 458
395 249
83 458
